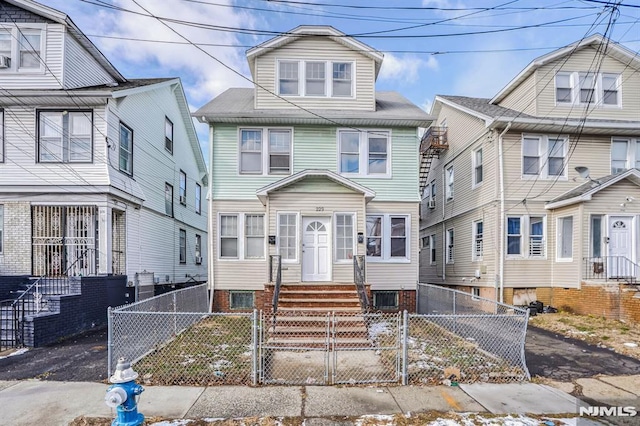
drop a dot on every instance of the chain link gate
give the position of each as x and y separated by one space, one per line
302 348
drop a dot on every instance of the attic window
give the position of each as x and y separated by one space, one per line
288 78
21 48
315 78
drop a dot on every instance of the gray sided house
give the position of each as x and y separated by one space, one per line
534 194
100 175
314 168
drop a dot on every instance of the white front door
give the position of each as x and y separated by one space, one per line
316 249
620 246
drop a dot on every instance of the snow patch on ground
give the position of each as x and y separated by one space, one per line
14 353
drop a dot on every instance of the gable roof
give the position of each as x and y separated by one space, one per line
263 193
237 105
585 191
614 49
493 114
61 18
313 30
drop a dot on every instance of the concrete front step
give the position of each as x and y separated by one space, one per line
307 342
318 294
334 304
315 310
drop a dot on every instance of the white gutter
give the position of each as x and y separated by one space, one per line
502 213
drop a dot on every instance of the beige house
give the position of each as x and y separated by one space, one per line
536 191
312 169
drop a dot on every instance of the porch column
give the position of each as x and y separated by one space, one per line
104 240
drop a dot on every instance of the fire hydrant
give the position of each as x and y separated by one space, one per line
122 395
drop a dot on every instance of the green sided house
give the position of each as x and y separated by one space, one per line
314 178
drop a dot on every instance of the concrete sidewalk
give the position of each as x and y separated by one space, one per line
33 402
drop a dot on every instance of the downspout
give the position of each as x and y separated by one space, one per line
444 228
210 226
502 213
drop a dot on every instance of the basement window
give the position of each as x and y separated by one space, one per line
241 300
385 300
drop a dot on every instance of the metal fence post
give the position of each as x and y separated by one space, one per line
109 340
254 348
405 344
175 317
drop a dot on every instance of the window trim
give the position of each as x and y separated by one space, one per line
543 157
65 137
450 248
182 190
241 237
396 305
385 253
475 293
265 152
474 236
433 255
14 36
363 153
576 88
297 235
198 198
354 243
246 236
525 237
182 249
168 140
449 179
475 166
632 156
302 79
167 185
121 125
559 236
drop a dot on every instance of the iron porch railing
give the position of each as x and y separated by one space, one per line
611 268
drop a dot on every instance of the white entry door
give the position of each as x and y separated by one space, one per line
316 249
620 246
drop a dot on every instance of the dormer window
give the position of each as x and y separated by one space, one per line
319 79
585 88
21 49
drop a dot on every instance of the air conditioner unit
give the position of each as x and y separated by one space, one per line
5 61
431 204
198 259
183 199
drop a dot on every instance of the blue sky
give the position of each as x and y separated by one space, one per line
452 47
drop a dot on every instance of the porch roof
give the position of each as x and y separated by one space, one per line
263 193
585 191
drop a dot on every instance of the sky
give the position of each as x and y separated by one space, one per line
430 47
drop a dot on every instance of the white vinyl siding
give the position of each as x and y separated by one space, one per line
80 68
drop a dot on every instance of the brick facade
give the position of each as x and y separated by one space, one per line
10 284
15 258
222 300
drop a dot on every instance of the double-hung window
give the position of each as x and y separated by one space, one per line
526 236
288 236
364 153
625 153
242 236
478 240
65 136
126 149
183 246
478 175
198 198
168 135
388 237
544 157
198 249
21 48
449 183
315 78
450 246
345 229
432 254
565 238
588 88
183 188
29 50
274 160
168 199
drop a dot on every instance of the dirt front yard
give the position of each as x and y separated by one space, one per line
621 337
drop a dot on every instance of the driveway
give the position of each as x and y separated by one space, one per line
564 359
82 358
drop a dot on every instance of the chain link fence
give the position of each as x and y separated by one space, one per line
454 336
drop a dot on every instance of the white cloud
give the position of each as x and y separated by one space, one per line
203 76
406 68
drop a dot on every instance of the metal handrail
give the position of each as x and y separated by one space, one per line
36 284
359 277
275 261
611 268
